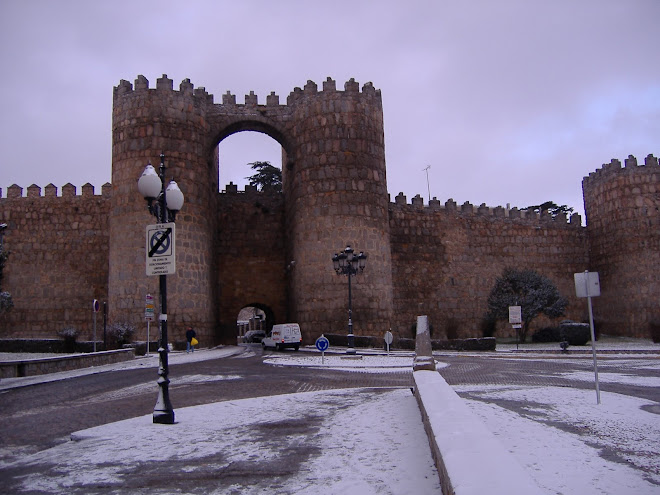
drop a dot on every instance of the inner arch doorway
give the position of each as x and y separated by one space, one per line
238 150
254 317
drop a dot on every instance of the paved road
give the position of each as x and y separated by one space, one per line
533 370
44 415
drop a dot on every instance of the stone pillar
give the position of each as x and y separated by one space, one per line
423 347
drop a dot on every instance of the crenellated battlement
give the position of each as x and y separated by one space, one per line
608 170
165 84
249 190
467 209
51 191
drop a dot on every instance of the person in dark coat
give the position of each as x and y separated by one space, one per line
190 334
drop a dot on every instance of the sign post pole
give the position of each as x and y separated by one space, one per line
515 318
388 340
95 309
322 344
587 285
149 315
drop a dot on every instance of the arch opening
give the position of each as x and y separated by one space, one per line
237 149
253 322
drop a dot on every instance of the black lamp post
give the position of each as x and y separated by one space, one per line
348 263
163 204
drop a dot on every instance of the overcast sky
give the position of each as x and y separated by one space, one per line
508 101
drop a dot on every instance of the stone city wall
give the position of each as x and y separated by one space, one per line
274 251
446 258
58 261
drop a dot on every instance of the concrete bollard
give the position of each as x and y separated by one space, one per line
423 349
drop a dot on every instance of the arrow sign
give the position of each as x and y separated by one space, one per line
322 343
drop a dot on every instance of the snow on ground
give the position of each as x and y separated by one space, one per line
363 363
568 443
571 445
357 441
150 361
608 377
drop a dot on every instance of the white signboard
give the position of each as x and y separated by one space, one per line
515 314
149 308
587 284
160 249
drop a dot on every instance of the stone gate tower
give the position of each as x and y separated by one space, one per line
335 193
623 224
145 123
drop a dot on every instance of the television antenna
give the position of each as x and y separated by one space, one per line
427 180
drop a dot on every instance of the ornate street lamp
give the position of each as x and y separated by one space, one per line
348 263
163 204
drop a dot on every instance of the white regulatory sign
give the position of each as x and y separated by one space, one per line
160 249
515 314
587 284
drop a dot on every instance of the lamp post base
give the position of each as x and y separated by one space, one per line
351 344
164 417
163 410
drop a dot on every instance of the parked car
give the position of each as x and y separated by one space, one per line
254 336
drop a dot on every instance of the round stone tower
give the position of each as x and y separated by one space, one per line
622 207
336 194
146 123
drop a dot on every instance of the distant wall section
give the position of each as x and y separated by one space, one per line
250 255
58 262
446 258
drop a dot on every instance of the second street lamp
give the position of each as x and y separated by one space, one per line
348 263
167 203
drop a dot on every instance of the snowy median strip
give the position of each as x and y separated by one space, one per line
461 445
371 364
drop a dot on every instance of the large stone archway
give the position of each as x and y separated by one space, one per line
335 193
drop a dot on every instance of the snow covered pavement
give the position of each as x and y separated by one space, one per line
360 441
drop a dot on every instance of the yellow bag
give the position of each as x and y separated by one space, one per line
194 341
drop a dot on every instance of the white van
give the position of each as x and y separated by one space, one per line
281 336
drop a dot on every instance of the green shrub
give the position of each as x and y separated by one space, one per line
488 327
547 334
69 335
575 333
119 334
654 327
451 329
6 302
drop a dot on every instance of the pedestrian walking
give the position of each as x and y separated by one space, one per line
191 341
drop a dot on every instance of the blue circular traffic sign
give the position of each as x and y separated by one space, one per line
322 343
